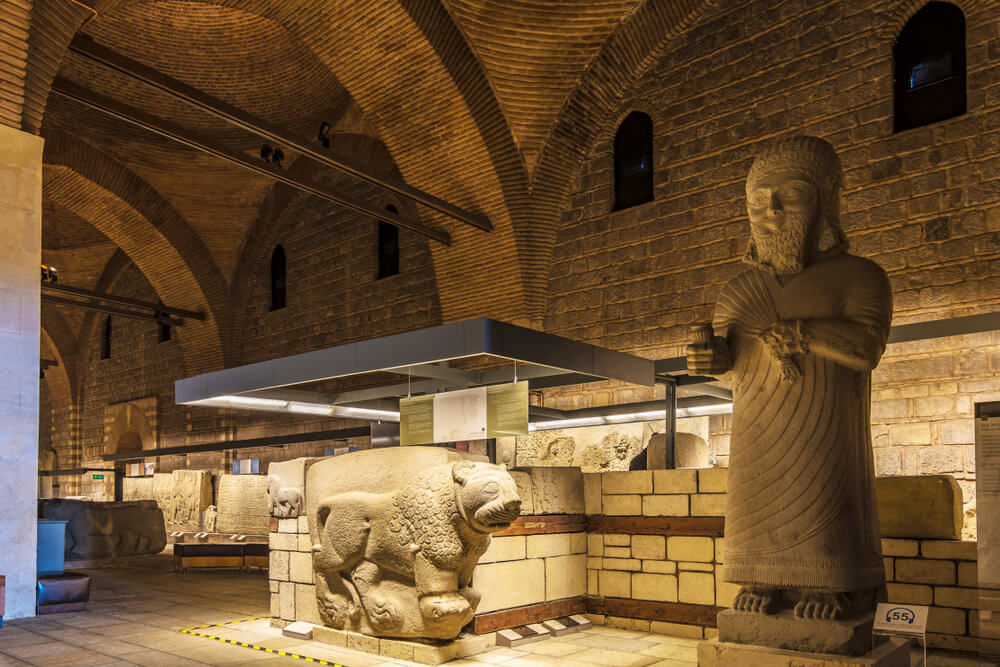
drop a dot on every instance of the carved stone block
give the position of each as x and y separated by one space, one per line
397 534
96 530
191 494
286 481
940 512
242 506
137 488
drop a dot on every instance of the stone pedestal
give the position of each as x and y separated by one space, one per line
715 653
427 653
851 636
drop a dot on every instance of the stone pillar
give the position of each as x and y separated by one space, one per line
20 245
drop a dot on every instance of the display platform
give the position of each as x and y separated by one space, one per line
713 653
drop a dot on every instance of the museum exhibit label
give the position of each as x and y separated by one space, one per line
469 414
988 508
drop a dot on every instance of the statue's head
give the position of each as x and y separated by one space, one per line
793 202
486 496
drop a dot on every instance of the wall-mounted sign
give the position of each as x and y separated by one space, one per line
900 619
469 414
987 509
246 466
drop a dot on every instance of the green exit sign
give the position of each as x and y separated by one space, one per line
98 476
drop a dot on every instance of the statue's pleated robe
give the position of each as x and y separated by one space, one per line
801 503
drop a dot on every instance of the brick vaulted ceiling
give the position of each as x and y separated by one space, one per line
489 104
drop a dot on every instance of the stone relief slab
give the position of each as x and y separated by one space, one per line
137 488
286 481
107 529
163 491
397 534
242 506
192 493
590 448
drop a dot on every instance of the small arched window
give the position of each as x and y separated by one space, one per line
388 247
106 338
929 67
634 161
278 282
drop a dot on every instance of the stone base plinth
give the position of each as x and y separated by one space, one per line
713 653
852 636
428 653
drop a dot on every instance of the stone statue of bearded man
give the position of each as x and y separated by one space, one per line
797 335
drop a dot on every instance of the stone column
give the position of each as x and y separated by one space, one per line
20 245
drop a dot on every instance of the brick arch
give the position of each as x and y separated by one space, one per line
895 18
456 142
60 379
139 221
587 116
271 223
114 267
128 423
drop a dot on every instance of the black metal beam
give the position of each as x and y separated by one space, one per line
90 49
269 441
111 310
164 128
72 471
124 301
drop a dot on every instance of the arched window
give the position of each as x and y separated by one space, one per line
163 330
929 67
278 278
634 161
106 338
388 247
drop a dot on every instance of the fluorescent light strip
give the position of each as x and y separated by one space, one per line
366 413
651 415
310 408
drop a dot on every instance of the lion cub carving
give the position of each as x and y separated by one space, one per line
400 563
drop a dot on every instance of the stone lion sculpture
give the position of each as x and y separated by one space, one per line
397 561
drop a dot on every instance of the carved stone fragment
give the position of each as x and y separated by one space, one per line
397 534
242 506
96 530
286 482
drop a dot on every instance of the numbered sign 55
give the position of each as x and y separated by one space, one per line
902 618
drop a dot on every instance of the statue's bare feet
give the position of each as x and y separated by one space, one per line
822 605
757 600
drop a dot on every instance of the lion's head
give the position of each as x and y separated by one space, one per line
486 496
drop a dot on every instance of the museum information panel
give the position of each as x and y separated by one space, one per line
987 511
469 414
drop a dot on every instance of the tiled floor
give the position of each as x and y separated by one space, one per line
136 615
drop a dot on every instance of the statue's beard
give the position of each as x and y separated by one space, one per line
782 252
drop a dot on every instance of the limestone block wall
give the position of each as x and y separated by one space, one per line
290 571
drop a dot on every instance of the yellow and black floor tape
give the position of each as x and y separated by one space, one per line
197 633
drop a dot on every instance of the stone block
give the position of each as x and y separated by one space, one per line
614 540
947 596
659 566
578 543
137 488
278 565
288 526
696 588
592 586
614 584
675 481
565 576
617 552
917 571
286 590
622 483
595 545
952 549
398 650
658 587
505 548
622 564
708 504
887 563
509 584
725 592
946 621
243 505
716 653
523 482
720 550
904 548
305 604
910 593
622 505
283 541
303 542
303 525
286 482
300 567
968 574
696 567
557 490
676 505
191 494
698 549
649 546
676 629
362 643
940 512
592 493
275 605
542 546
713 480
595 563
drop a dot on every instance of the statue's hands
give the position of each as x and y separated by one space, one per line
785 338
709 359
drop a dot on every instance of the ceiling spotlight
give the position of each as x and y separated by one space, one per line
324 134
266 153
50 274
277 156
